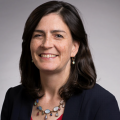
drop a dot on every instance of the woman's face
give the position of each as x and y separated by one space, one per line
52 45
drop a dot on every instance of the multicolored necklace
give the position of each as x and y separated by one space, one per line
47 111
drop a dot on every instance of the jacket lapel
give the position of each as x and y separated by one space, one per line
16 106
26 107
73 107
22 106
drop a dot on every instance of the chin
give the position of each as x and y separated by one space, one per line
47 69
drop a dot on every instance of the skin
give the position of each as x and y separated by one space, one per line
52 38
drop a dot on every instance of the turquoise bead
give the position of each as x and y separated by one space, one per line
39 107
35 103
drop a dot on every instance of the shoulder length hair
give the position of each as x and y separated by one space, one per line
82 75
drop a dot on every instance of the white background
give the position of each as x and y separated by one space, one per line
102 23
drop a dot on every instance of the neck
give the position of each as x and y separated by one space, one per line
52 82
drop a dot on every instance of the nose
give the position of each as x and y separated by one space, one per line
47 43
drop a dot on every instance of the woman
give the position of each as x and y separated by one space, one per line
57 71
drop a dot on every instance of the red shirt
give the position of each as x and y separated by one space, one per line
60 118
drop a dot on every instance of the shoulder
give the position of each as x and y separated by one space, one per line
16 88
98 92
13 92
99 95
96 104
100 100
100 103
94 97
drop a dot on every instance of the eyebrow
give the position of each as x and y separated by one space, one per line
52 31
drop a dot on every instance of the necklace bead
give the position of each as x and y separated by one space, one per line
40 108
50 114
37 113
56 108
56 115
42 112
47 111
45 117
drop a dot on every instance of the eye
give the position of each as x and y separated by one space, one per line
37 35
58 36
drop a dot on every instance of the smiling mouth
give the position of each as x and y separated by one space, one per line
48 55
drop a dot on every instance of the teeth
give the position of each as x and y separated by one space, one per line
48 56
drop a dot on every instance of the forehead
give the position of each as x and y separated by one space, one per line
52 21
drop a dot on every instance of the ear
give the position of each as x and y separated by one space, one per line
75 48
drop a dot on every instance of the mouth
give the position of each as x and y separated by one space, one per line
48 55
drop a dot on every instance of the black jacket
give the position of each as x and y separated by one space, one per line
93 104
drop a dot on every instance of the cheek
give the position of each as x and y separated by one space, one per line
33 46
33 50
65 49
62 48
